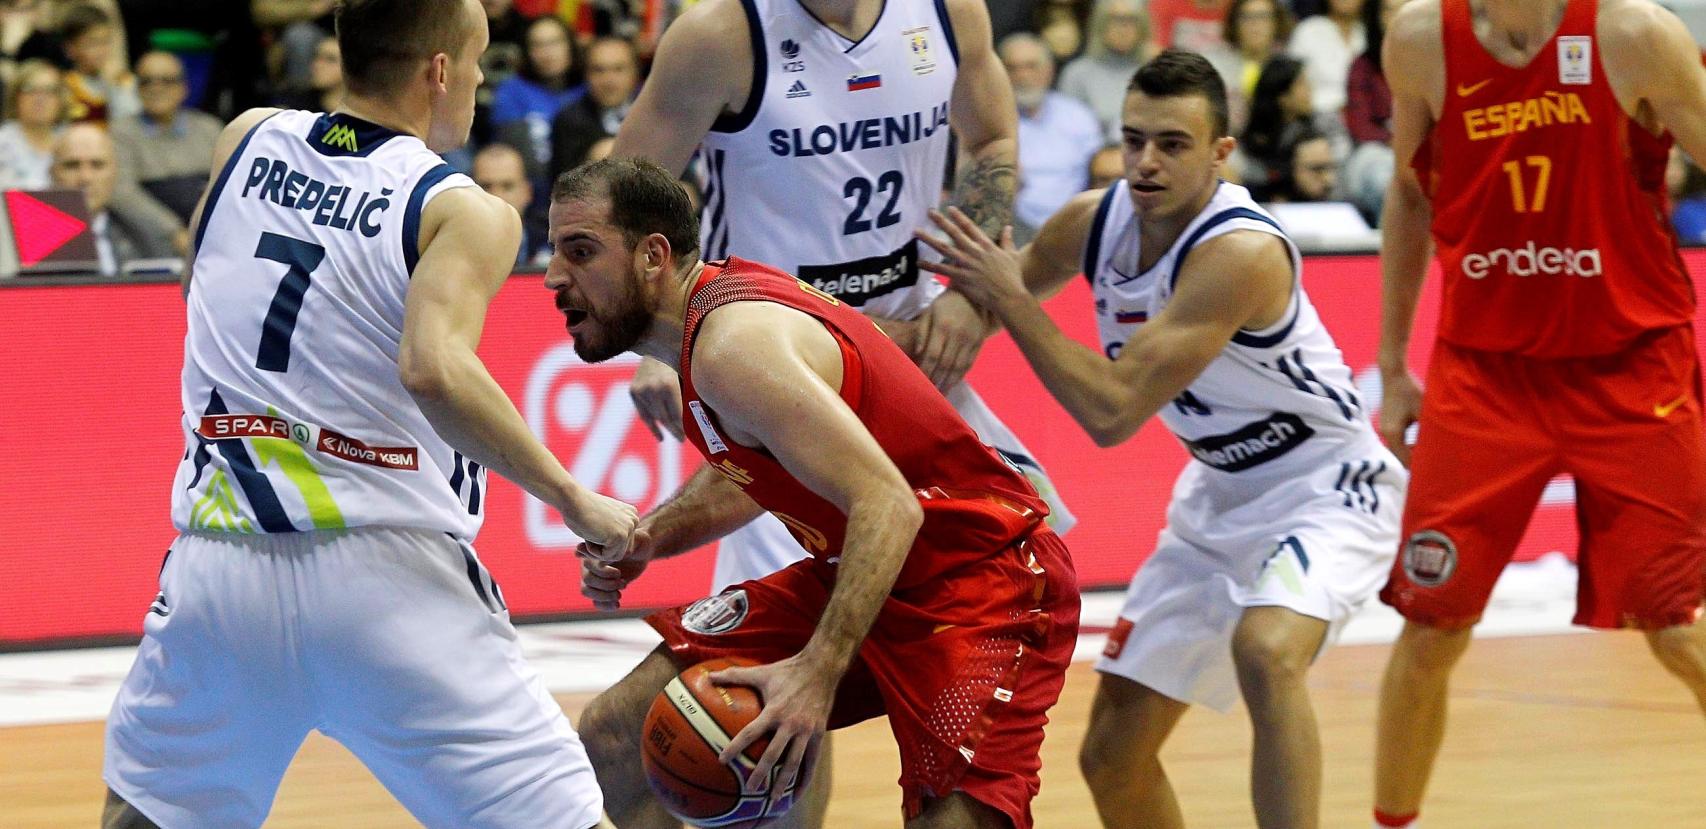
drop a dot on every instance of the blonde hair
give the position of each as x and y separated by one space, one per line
28 71
1099 24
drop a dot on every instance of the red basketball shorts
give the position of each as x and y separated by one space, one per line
1495 428
965 667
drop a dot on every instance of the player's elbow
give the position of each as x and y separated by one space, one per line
1111 428
425 373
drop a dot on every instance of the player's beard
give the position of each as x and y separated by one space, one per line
617 331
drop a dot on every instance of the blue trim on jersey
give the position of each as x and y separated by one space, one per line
269 512
716 198
1214 221
1244 338
456 475
1302 378
412 215
760 68
854 44
473 488
1297 547
479 583
1093 247
219 183
364 135
948 30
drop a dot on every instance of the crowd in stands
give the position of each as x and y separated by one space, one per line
152 81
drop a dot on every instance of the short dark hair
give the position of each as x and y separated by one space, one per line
82 18
644 199
1283 22
383 41
1176 73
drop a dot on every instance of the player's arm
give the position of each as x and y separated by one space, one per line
1056 254
1649 52
1406 246
703 62
1238 280
706 508
773 375
468 241
223 148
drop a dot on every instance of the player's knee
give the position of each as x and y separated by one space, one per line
1110 757
1268 657
1682 650
608 730
1429 650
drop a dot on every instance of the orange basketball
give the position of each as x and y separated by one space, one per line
689 724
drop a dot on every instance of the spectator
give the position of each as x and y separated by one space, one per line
325 89
1687 187
504 24
1060 24
612 78
1119 41
547 82
165 155
300 26
500 170
1057 134
1106 167
1193 25
97 91
23 36
1255 31
1368 117
35 112
1312 173
1280 110
83 160
1327 44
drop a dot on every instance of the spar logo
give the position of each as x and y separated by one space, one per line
583 414
1532 260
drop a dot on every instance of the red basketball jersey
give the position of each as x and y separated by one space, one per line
1549 211
974 503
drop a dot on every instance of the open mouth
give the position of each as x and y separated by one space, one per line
1146 187
575 316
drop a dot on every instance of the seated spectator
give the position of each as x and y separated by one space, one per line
1119 43
1312 174
24 37
1368 117
1327 44
97 92
1106 167
35 112
1060 23
298 27
505 25
1280 110
1255 31
500 171
1193 25
612 78
548 80
166 153
1057 134
325 89
83 160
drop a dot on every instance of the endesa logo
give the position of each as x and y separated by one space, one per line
1532 260
584 415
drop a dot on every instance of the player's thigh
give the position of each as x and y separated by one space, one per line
1130 720
959 811
215 704
425 682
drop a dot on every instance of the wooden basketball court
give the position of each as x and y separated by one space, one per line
1564 732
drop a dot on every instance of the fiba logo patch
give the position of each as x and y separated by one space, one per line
716 614
1430 557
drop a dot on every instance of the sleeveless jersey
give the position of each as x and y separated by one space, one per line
975 504
1548 201
1275 401
295 417
837 154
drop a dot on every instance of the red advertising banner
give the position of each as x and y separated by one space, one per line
89 391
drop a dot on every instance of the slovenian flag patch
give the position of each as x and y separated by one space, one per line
858 82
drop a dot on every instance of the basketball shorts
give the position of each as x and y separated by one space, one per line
1319 544
965 667
1495 428
764 546
393 642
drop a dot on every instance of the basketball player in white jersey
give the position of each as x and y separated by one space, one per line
824 129
1287 517
338 429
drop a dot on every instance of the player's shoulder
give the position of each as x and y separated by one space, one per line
740 345
475 214
1629 24
719 26
968 17
1074 219
1416 25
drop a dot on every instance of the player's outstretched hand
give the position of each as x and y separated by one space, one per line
603 581
656 391
974 264
954 330
1400 406
605 525
797 696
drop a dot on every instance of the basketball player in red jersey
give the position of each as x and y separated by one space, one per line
935 594
1537 133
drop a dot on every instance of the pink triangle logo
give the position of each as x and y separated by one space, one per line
39 227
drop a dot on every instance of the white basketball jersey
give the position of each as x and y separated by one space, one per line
295 416
1275 401
838 153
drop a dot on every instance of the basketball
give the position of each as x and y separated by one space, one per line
689 724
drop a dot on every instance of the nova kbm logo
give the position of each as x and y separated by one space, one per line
584 415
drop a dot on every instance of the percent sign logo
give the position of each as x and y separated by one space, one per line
583 412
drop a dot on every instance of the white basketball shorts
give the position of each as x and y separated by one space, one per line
1319 544
393 642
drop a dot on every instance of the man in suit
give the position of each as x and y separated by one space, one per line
83 159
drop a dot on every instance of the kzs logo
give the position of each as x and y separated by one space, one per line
583 414
791 57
